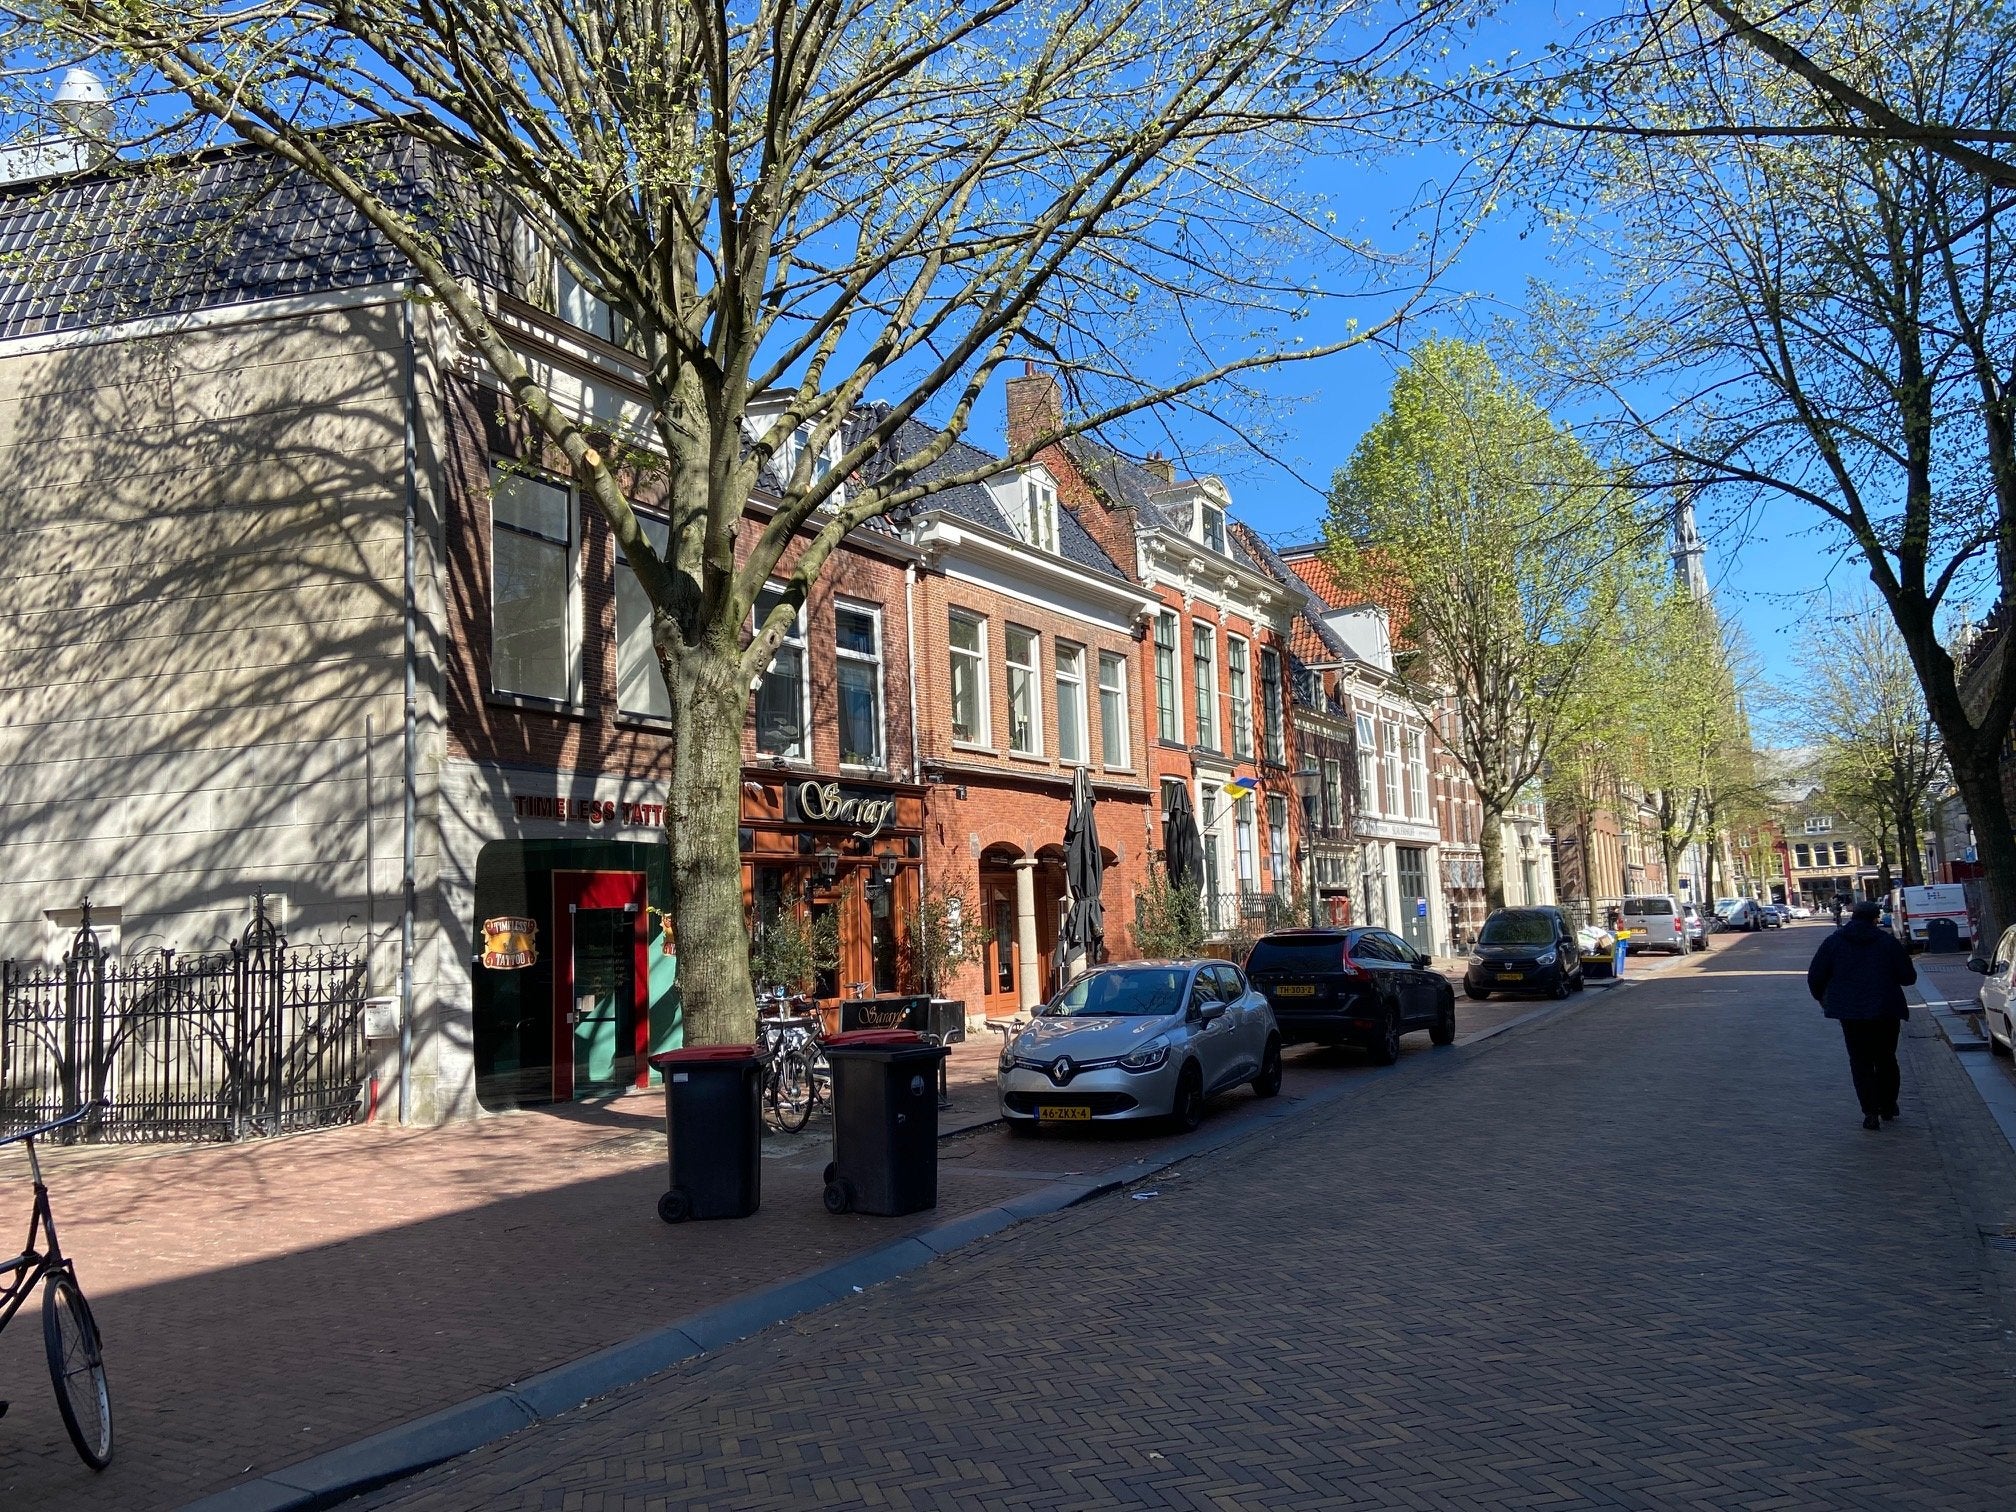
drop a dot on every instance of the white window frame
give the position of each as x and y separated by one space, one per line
880 756
1039 513
658 532
1033 670
1211 522
1417 774
1389 765
1238 677
1245 845
982 735
1205 655
1368 764
1274 718
1169 710
1071 698
1820 824
1277 842
571 592
1113 753
797 637
1802 857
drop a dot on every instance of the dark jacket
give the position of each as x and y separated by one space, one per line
1860 972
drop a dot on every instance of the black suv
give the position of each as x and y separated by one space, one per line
1525 950
1362 987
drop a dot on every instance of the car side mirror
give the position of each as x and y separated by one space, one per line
1980 966
1210 1012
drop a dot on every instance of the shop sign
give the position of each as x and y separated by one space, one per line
586 810
869 811
509 943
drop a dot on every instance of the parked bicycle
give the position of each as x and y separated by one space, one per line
69 1333
796 1077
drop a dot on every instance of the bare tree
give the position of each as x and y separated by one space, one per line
837 201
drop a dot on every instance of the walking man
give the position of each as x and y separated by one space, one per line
1858 976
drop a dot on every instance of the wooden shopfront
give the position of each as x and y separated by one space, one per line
845 852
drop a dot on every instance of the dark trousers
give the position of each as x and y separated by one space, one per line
1872 1056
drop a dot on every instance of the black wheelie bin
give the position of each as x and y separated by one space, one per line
713 1131
885 1123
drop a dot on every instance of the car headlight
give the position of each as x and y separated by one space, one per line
1007 1061
1476 959
1545 958
1147 1058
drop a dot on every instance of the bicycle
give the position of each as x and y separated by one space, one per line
69 1332
796 1078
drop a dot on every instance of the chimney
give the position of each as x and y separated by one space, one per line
1035 405
1161 466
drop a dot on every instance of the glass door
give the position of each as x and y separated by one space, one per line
605 1001
1410 865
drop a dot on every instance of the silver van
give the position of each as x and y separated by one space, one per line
1655 922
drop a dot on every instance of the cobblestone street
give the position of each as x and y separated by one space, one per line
1638 1254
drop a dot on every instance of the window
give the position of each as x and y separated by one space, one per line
532 643
1389 764
1070 703
1168 704
1039 514
1368 757
1417 777
1113 709
1273 743
581 309
793 451
857 655
1243 845
1025 700
781 697
1333 793
1211 526
1204 662
640 680
1239 683
1840 853
969 678
1207 813
1819 824
1277 841
1801 856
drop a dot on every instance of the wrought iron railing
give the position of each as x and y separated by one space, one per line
263 1038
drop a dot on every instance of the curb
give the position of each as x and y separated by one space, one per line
354 1469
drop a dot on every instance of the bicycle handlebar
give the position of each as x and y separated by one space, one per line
49 1128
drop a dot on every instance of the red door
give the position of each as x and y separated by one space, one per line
601 979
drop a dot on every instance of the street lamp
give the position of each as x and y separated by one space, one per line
1309 788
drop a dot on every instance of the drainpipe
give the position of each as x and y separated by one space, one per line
409 820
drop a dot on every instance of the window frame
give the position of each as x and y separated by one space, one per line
1413 749
573 694
879 663
1333 792
1389 765
1038 525
801 638
1238 674
1210 515
1169 709
658 531
1245 845
1121 757
1070 690
1033 674
1277 842
982 736
1273 715
1368 763
1203 658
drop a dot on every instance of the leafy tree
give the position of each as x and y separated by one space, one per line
1512 553
831 201
1168 920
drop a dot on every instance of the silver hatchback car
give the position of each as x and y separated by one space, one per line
1144 1039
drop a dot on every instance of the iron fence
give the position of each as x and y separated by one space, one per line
263 1038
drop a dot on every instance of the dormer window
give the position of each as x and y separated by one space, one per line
795 448
1038 525
1211 526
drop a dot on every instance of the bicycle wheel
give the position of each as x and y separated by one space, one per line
791 1092
77 1369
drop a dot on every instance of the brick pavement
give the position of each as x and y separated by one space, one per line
267 1301
1639 1255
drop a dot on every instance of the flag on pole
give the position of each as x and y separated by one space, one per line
1240 787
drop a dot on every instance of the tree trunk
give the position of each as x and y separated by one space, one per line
702 815
1978 776
1492 843
1908 848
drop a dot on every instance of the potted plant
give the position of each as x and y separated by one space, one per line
790 951
1168 920
938 945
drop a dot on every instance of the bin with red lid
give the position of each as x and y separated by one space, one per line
713 1131
885 1122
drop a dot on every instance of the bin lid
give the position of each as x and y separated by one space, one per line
874 1037
700 1054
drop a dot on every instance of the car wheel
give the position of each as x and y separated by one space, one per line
1560 989
1386 1049
1186 1110
1581 979
1477 994
1268 1082
2004 1046
1444 1031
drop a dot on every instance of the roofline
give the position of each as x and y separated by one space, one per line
939 529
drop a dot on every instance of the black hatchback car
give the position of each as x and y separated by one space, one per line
1525 950
1363 987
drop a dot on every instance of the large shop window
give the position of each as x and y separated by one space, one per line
1239 678
1025 704
640 680
531 619
1070 703
857 651
782 696
1276 748
1113 709
1168 705
1204 660
969 678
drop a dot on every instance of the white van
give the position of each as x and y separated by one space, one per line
1656 923
1913 908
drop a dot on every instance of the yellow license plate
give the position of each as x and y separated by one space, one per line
1300 989
1064 1113
1509 976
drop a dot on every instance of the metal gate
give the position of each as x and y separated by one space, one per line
264 1038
